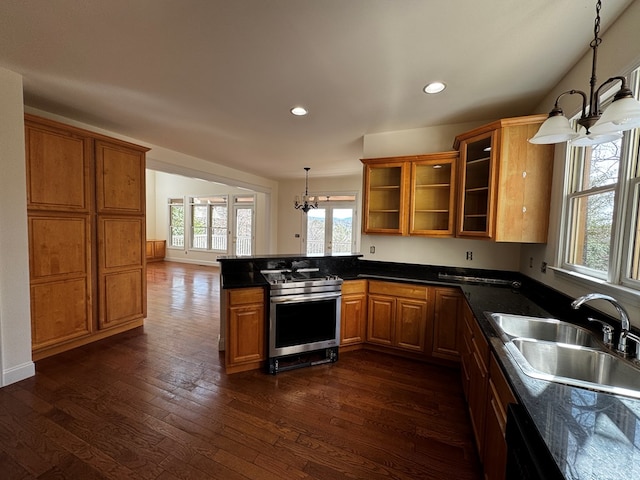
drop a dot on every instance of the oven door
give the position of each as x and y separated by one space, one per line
304 323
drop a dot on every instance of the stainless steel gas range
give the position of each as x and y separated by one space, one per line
304 317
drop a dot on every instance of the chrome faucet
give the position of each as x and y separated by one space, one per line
624 320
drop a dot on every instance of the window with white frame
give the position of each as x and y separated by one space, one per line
209 223
602 198
176 222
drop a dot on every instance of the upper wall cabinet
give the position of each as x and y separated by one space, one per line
412 195
386 195
505 182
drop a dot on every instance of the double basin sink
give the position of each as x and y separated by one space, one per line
562 352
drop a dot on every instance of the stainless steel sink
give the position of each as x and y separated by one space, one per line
575 365
549 329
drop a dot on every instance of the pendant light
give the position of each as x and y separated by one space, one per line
307 202
596 126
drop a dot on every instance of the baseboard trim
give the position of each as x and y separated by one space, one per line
17 373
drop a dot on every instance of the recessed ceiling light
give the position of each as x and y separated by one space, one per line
299 111
434 87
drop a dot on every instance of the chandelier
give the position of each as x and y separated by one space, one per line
307 202
595 126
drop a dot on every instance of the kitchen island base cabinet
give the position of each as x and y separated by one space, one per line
245 327
398 315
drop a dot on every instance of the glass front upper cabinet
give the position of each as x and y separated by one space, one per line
476 158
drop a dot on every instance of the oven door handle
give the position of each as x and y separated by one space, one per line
309 297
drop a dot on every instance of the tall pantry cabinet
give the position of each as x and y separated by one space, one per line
86 219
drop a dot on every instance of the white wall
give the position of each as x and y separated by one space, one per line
15 323
618 54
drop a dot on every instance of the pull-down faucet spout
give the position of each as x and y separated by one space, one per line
622 313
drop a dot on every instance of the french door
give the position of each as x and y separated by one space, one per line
330 229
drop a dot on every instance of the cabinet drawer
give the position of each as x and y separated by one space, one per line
240 296
405 290
354 286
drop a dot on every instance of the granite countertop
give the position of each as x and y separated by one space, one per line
591 435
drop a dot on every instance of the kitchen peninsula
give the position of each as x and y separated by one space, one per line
587 433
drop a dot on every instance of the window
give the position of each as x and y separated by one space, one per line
209 223
330 227
176 222
601 221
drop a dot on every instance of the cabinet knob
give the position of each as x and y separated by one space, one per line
524 174
524 209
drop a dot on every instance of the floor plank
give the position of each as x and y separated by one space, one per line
155 403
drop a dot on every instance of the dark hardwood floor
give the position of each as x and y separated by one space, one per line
155 403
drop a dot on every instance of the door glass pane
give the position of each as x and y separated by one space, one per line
316 226
199 222
176 233
244 231
342 230
219 230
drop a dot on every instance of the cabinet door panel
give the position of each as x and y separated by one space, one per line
59 245
120 179
380 324
58 169
121 242
121 298
353 319
60 311
448 312
246 334
411 322
386 196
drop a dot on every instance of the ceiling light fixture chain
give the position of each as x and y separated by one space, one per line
597 127
307 202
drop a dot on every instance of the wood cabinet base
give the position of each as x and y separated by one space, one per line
79 342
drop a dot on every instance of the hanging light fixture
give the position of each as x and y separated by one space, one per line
596 126
307 202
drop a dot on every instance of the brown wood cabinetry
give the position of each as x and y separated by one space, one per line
447 321
386 196
488 394
412 195
85 201
245 317
505 182
353 316
475 373
499 395
156 250
398 315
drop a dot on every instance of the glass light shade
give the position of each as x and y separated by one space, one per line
584 140
555 129
623 114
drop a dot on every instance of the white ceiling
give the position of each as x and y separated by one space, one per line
215 79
